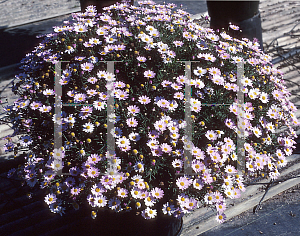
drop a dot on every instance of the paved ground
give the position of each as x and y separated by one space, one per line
18 12
19 40
279 216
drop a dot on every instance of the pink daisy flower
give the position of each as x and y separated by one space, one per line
133 109
234 27
45 109
179 95
132 122
214 71
183 183
217 79
163 103
75 191
178 43
79 97
87 66
149 74
166 148
144 99
225 56
221 217
93 172
209 57
157 193
160 125
122 95
218 197
206 177
197 166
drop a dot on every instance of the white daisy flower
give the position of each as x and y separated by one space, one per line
122 142
58 153
246 82
134 136
109 77
230 169
100 200
270 127
211 135
177 163
80 28
282 162
257 132
229 193
151 213
232 49
70 119
198 184
200 71
150 28
237 59
50 198
88 127
264 97
99 105
48 92
209 198
57 165
146 38
136 193
149 201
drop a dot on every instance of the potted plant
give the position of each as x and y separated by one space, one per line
149 116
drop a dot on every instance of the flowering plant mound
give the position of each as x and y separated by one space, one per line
159 55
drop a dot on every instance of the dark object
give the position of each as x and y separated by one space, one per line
244 14
292 214
99 4
297 150
109 223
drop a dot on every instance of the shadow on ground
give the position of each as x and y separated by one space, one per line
15 44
